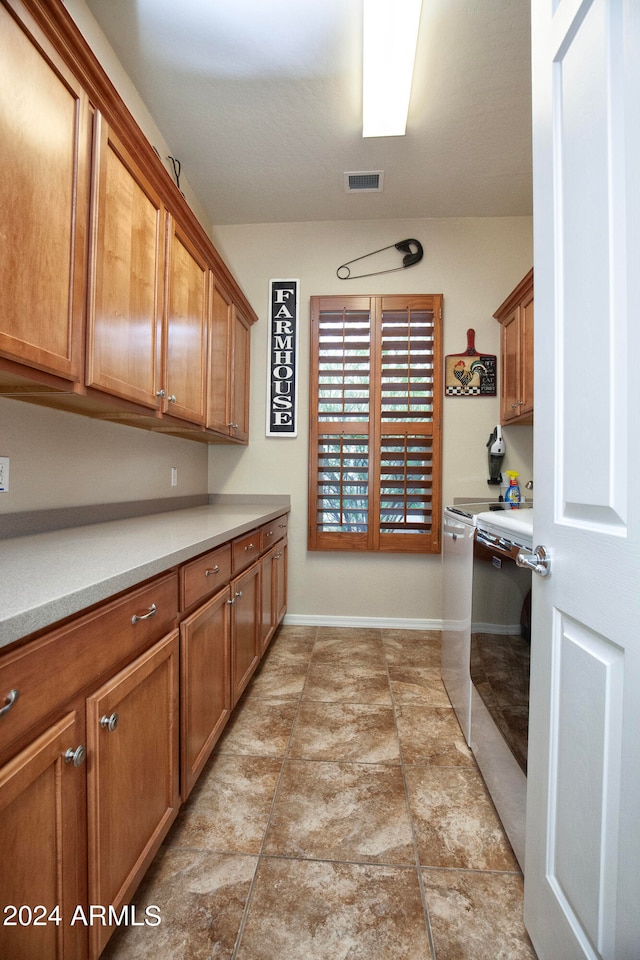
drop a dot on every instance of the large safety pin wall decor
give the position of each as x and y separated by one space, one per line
413 254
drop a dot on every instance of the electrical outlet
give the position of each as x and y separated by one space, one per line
174 476
4 474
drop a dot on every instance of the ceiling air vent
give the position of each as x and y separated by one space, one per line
368 181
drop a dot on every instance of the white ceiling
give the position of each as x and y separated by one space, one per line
260 101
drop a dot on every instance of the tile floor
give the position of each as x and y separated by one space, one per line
341 817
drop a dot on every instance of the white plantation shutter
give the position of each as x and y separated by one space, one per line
374 460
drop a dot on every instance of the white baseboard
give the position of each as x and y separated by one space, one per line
322 620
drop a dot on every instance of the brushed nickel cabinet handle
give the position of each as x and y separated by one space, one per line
212 570
77 756
9 701
137 617
109 723
249 547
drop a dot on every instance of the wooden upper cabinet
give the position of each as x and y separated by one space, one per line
219 371
45 143
186 323
126 275
516 354
240 357
228 374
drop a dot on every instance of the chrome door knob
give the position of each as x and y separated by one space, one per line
537 560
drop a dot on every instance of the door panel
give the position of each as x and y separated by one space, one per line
133 779
186 328
582 881
45 141
42 824
127 273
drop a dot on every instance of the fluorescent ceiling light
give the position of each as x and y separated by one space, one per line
389 51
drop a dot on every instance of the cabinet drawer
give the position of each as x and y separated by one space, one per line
50 671
204 575
244 550
273 531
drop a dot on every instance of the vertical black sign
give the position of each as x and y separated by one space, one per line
282 383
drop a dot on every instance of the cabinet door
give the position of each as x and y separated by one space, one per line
240 358
219 361
268 575
42 831
133 795
526 367
273 591
205 684
44 192
510 366
245 629
126 282
185 328
280 592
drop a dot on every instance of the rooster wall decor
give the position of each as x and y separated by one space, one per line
470 374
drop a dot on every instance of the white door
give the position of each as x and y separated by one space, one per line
582 883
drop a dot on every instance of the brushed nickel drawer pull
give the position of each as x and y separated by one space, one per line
109 723
239 594
282 526
76 757
250 547
9 701
136 618
212 570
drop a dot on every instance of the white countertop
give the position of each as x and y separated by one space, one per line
49 576
508 523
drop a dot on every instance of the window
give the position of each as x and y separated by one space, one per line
375 449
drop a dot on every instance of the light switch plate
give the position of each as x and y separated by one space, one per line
4 474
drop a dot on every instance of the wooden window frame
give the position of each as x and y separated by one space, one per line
404 434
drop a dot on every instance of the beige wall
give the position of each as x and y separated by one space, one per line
474 264
64 460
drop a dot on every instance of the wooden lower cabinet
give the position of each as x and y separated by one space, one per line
246 602
132 777
274 591
280 590
116 714
42 839
205 684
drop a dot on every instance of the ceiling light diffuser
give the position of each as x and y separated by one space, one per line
389 50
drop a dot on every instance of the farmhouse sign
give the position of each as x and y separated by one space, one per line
282 379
